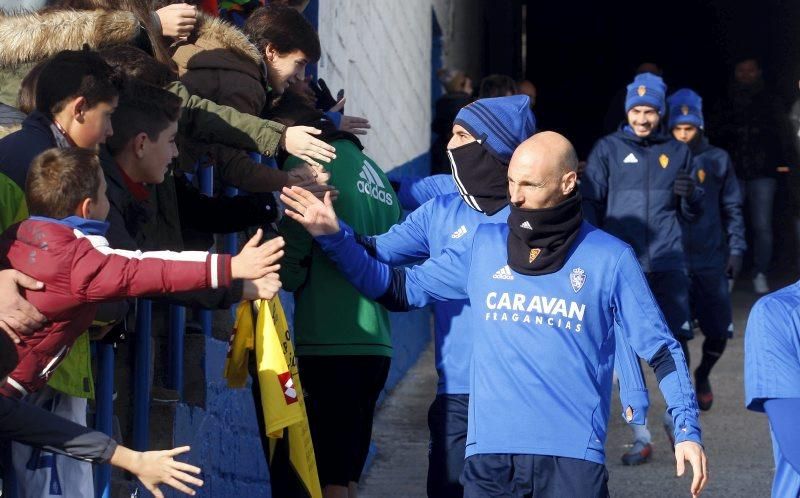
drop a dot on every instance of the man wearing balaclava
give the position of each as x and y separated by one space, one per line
637 186
715 242
549 294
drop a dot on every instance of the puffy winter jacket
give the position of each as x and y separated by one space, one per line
72 258
627 191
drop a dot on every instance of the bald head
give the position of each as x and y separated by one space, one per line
543 171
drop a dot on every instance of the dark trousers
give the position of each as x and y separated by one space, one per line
447 421
528 476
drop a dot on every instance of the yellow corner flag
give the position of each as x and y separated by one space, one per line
279 383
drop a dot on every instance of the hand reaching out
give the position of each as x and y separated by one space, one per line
313 178
255 261
18 316
351 124
158 467
177 20
299 141
316 216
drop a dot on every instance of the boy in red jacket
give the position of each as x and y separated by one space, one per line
62 245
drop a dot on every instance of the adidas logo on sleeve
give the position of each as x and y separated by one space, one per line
503 273
630 159
371 184
462 231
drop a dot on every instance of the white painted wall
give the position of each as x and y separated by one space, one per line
379 51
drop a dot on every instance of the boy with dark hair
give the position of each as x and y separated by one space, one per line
286 41
63 245
76 93
149 206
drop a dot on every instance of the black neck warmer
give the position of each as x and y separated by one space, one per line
539 239
481 178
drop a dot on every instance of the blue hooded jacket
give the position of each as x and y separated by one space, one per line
627 190
704 241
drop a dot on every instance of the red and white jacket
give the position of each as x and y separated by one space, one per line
79 270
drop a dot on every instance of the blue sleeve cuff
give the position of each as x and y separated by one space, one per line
639 401
336 117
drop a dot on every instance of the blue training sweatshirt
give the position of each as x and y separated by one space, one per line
414 191
425 233
627 190
704 240
772 370
543 354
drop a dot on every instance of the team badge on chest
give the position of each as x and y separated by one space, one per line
663 160
701 175
577 278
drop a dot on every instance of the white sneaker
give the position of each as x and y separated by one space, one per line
760 284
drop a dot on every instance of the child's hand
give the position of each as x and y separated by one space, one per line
158 467
299 141
255 261
177 20
265 287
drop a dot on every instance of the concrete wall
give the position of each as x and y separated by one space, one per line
379 52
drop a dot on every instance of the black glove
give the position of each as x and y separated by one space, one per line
324 96
684 185
734 266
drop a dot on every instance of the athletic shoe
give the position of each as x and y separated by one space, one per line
705 397
638 454
669 427
760 284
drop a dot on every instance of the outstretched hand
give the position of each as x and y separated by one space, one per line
299 141
254 260
158 467
693 453
314 179
318 217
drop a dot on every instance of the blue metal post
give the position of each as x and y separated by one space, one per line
177 331
141 372
105 411
206 180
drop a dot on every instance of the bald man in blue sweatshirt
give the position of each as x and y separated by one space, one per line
549 294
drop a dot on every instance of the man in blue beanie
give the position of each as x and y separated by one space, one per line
637 186
712 257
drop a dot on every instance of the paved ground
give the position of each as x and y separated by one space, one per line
737 441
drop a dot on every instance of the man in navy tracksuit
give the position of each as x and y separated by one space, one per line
715 242
549 294
637 186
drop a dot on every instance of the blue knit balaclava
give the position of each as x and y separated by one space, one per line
646 89
480 168
685 107
500 123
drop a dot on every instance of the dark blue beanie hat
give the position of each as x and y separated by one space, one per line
685 107
500 123
646 89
